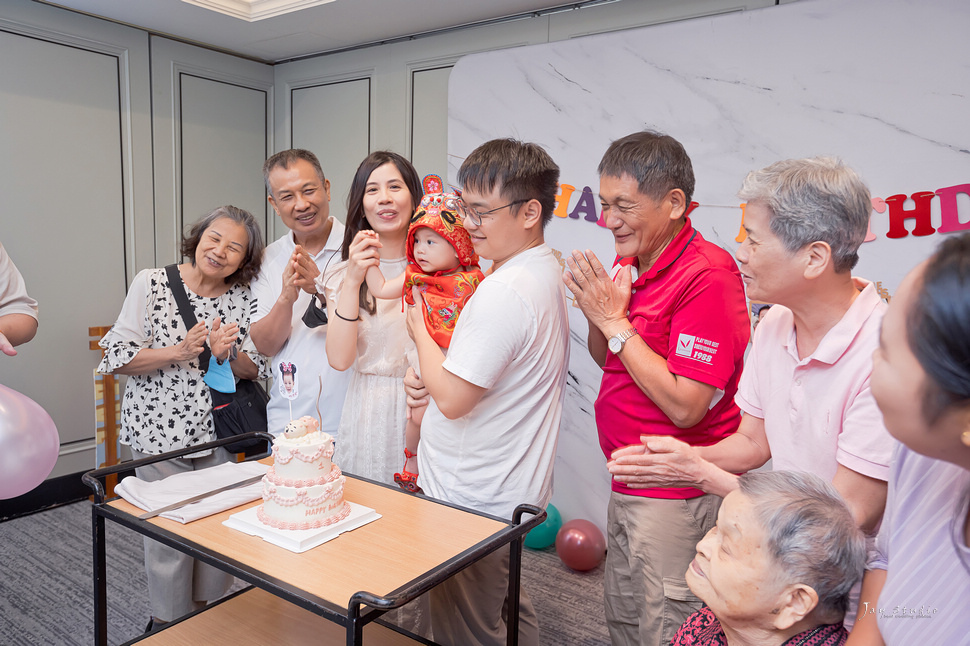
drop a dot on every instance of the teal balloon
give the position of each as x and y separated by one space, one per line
543 535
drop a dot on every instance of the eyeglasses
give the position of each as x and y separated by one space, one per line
476 216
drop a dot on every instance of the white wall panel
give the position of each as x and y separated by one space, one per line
333 121
429 110
223 145
632 14
68 124
211 122
391 67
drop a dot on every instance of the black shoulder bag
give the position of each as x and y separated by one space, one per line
235 413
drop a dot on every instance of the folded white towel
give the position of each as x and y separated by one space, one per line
154 495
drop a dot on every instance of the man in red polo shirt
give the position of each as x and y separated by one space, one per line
669 330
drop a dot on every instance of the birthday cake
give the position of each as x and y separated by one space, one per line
303 489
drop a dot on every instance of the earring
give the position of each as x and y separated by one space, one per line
965 438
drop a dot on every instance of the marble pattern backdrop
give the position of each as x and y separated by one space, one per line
881 83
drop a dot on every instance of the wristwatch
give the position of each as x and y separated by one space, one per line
617 341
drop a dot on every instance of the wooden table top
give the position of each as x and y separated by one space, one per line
256 618
413 536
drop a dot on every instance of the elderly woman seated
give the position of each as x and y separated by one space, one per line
778 566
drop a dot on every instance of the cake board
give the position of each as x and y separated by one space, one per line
300 540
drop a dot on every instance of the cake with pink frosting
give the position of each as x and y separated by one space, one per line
303 489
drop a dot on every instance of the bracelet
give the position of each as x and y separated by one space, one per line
232 356
356 318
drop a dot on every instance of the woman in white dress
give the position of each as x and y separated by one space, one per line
370 337
365 334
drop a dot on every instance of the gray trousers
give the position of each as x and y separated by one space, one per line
177 583
650 545
472 606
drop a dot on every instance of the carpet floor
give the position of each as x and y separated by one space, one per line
46 585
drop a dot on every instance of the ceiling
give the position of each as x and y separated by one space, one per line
334 26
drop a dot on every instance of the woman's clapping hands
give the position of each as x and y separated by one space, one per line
192 344
221 338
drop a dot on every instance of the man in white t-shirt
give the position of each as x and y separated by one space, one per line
488 440
18 311
284 288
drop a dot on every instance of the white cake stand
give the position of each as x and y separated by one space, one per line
300 540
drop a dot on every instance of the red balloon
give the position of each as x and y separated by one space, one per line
580 545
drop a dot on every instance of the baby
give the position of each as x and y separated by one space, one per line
443 265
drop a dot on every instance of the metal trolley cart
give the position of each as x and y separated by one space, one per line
350 581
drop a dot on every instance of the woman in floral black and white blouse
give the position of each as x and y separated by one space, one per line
167 405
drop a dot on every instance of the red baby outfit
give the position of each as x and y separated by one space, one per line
444 293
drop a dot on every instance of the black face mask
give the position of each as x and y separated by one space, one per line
314 315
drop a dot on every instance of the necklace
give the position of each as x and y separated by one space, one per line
805 638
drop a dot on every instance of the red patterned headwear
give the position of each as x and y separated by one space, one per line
443 213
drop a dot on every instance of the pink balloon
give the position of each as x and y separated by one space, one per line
580 545
28 443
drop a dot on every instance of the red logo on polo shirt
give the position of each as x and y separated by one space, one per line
694 347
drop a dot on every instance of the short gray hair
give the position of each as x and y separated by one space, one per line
812 200
810 534
657 161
